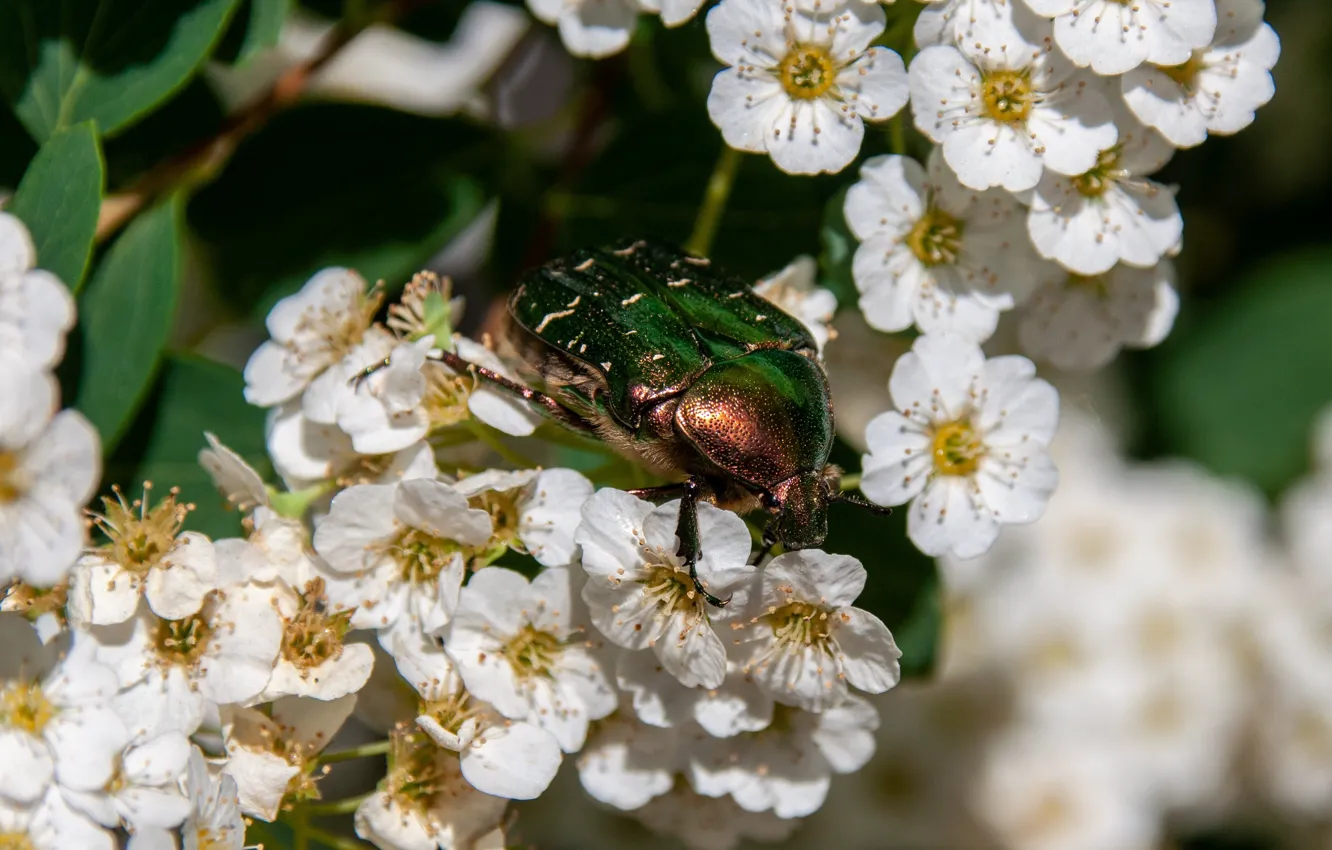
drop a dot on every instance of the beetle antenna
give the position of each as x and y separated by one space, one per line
861 503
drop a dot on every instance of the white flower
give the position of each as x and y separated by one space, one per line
806 643
1006 104
795 289
1216 89
36 309
533 512
49 467
146 555
215 817
235 479
592 28
522 647
272 756
658 699
1080 323
511 759
705 823
398 548
787 767
801 82
54 719
172 669
144 791
934 253
306 453
639 591
314 659
1111 213
50 824
967 445
626 763
1113 37
312 330
954 21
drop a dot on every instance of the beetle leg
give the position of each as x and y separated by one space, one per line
690 547
654 494
764 549
368 371
861 503
557 411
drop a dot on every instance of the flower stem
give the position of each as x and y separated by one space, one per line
345 806
850 482
714 201
483 433
337 842
374 748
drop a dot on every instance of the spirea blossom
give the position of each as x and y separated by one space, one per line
801 80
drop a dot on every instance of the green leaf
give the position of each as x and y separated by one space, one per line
410 188
265 25
59 199
1238 386
839 246
112 61
125 318
190 396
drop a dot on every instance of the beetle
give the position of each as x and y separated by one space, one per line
688 371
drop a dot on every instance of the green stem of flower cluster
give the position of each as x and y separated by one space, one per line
850 482
374 748
714 201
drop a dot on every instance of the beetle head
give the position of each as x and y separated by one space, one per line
800 504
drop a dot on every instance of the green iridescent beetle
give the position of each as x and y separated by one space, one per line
691 373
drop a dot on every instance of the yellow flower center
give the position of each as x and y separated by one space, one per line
957 448
16 841
533 652
33 602
504 515
1185 73
936 238
183 642
446 394
13 483
807 72
1102 176
416 772
313 635
1007 95
672 591
421 556
137 537
799 624
24 706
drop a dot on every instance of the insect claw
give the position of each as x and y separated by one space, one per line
709 598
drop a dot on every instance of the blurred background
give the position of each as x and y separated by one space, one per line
1150 666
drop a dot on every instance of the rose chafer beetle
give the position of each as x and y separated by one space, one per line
690 372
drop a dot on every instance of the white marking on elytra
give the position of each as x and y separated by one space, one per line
631 299
684 281
577 298
605 364
585 265
736 295
550 317
658 356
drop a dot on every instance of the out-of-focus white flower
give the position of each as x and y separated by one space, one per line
530 511
144 790
658 699
512 759
627 763
395 549
55 721
708 823
49 467
967 445
954 21
795 289
524 649
146 555
1114 37
806 642
1080 322
592 28
311 330
36 309
271 756
639 592
1004 104
802 80
215 815
50 824
1216 89
1056 794
787 767
172 669
934 253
